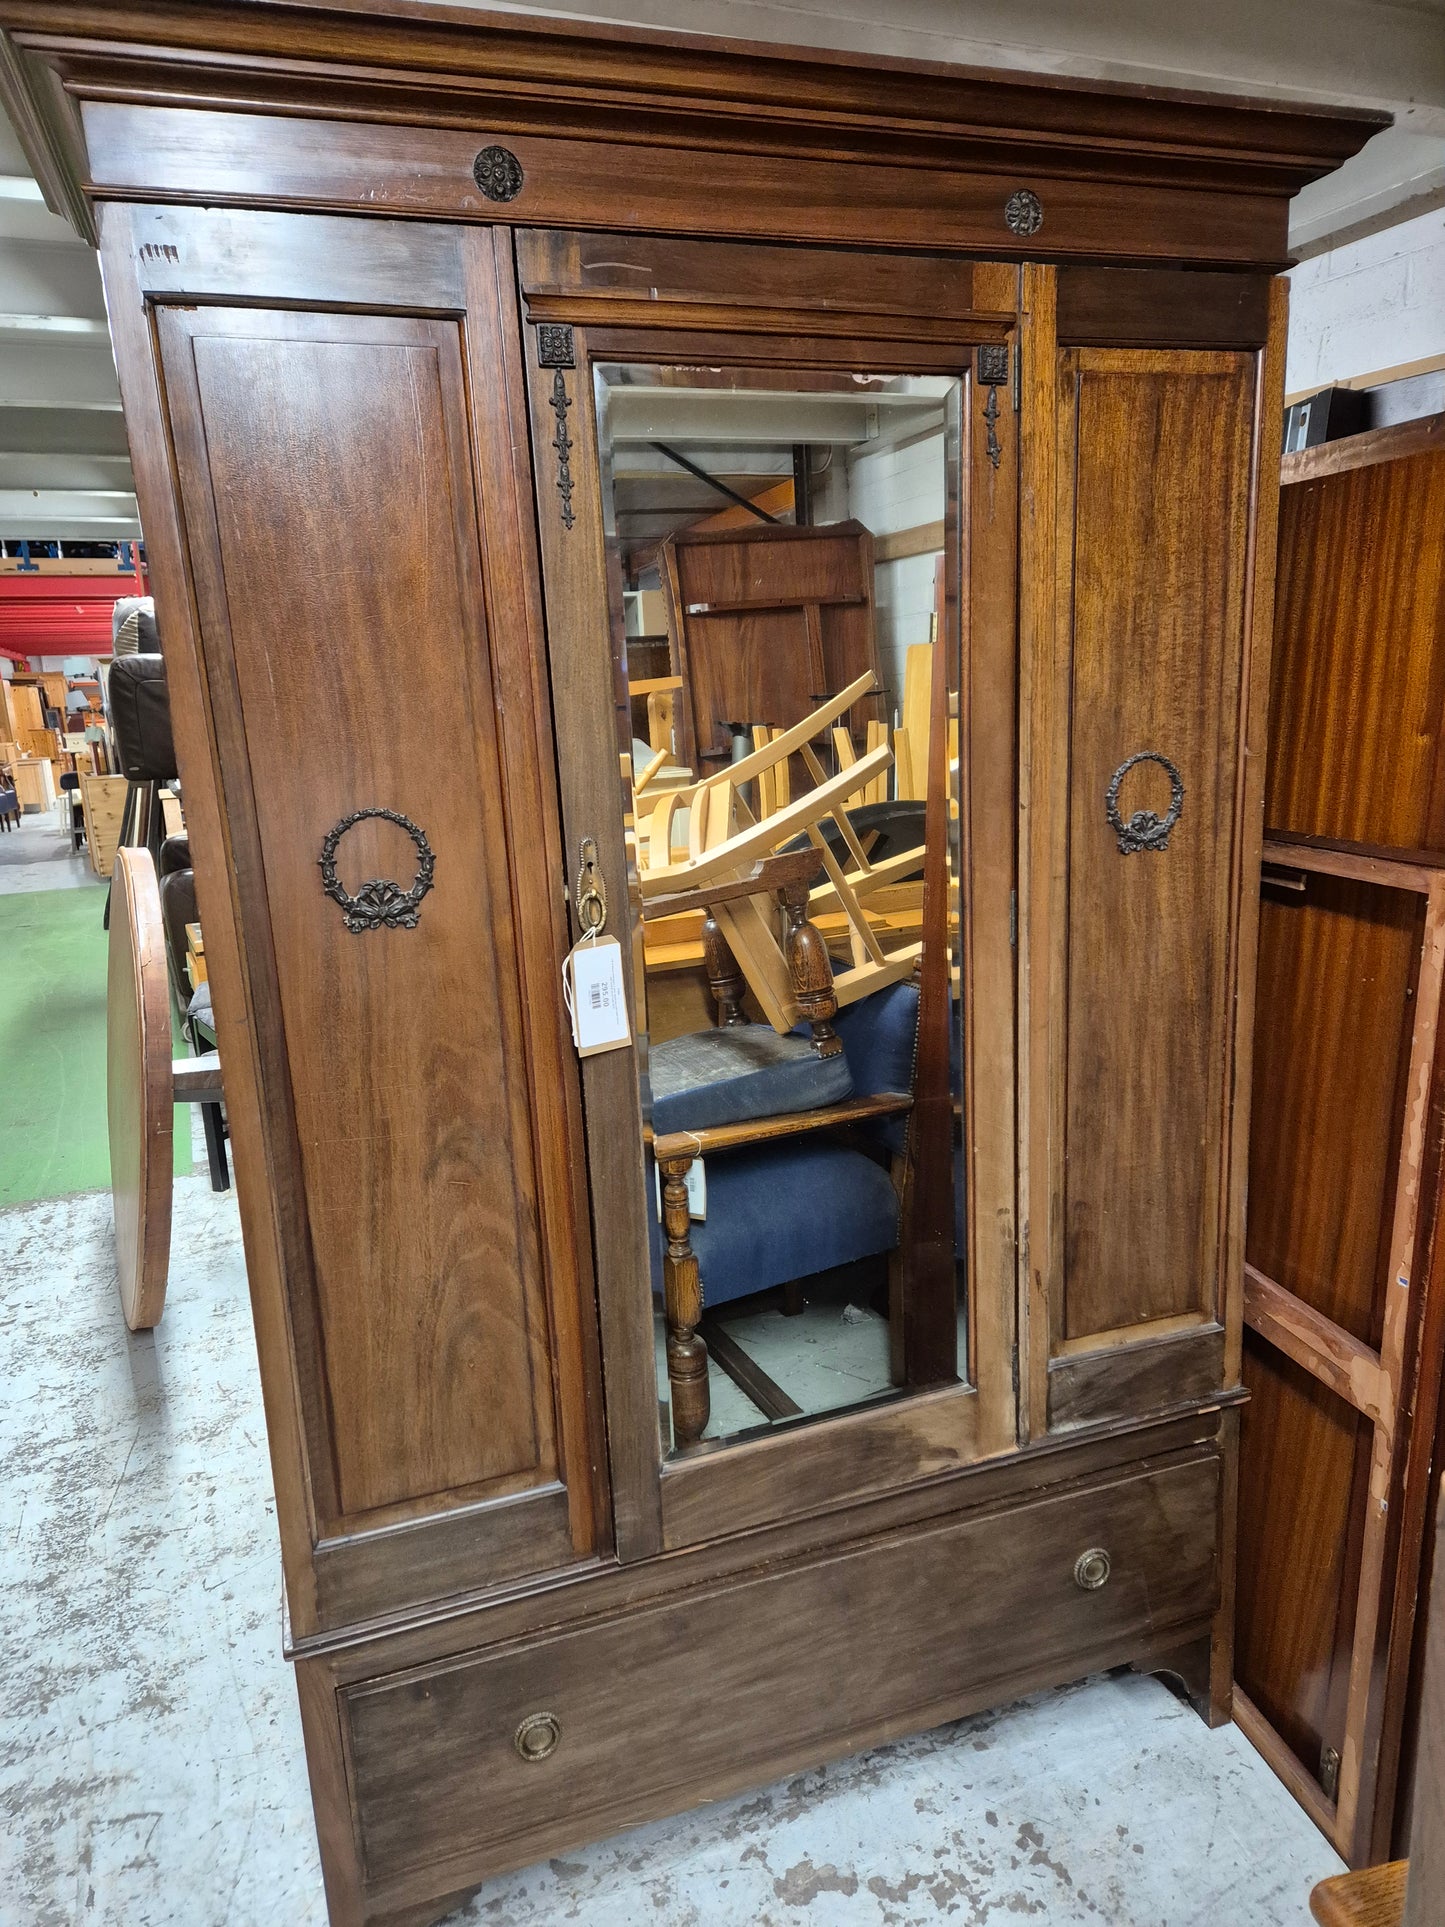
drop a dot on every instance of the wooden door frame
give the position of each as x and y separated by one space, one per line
163 256
666 1502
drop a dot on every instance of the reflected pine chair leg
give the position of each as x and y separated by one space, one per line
682 1291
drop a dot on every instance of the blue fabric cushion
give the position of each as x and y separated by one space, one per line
733 1075
781 1211
880 1037
880 1042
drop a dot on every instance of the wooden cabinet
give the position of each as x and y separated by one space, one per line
413 317
1343 1292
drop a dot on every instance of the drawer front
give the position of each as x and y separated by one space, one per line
660 1707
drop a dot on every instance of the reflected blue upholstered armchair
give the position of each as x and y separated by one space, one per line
788 1207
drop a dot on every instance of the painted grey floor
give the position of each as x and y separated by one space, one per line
151 1772
40 855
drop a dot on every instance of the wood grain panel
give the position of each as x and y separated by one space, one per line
404 1048
164 152
663 267
810 1469
1160 447
1424 436
140 1092
1357 724
766 624
1303 1458
1427 1822
1147 1375
1150 307
1337 973
990 837
589 692
437 1779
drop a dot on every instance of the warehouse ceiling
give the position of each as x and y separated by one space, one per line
63 466
64 470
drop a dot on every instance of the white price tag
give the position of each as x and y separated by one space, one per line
596 999
696 1182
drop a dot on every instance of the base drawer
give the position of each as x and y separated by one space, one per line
648 1711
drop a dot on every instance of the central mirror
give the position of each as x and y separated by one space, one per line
784 566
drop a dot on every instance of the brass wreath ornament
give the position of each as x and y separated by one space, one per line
1144 830
379 903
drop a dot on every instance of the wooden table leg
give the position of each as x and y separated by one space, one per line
682 1292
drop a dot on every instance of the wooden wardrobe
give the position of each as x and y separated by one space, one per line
367 266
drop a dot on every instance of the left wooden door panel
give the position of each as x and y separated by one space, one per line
356 569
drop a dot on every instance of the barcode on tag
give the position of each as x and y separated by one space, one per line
597 1000
696 1182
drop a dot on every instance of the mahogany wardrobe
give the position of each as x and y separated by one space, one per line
857 1341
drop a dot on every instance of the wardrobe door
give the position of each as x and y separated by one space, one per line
358 635
777 505
1141 688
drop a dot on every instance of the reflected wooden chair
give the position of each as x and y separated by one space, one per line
755 869
798 1184
726 837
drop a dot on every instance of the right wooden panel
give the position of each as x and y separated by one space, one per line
1160 450
1338 961
1154 497
1299 1551
1343 1256
1358 698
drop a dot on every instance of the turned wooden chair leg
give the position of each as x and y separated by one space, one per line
811 969
723 974
682 1293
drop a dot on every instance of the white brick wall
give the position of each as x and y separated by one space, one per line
1369 306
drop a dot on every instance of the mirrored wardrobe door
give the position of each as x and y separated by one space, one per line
754 552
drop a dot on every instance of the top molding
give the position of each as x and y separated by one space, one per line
394 62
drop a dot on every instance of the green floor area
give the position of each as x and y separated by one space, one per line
52 1047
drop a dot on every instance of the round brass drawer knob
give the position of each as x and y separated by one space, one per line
536 1738
1091 1569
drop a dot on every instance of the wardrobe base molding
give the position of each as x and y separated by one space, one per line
491 1756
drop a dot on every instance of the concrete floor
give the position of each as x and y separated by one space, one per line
39 855
151 1771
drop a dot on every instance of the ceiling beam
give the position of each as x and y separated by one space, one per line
43 375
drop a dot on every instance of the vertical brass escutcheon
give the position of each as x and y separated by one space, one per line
591 898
